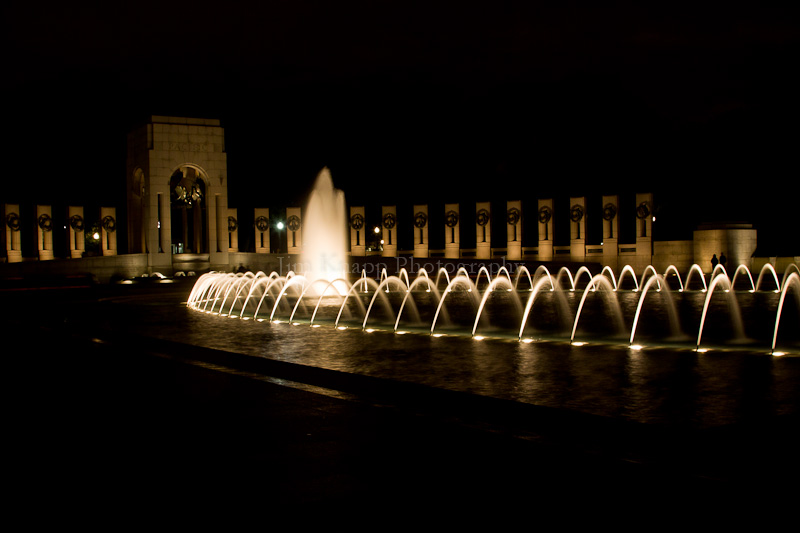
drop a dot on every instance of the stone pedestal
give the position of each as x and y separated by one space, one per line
577 229
421 246
389 232
644 230
514 230
261 229
452 232
108 230
483 230
546 222
294 234
610 231
358 237
77 236
13 236
44 228
233 230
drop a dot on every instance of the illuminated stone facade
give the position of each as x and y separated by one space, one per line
178 193
178 220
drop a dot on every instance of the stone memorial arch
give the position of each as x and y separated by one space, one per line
177 193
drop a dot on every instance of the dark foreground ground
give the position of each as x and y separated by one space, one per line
99 425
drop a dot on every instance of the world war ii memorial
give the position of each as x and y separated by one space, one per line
362 301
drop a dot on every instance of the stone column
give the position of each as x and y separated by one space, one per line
577 229
13 236
108 230
483 230
452 232
421 231
644 216
358 245
233 230
611 231
261 227
161 228
389 223
644 230
514 230
294 235
545 217
77 227
44 223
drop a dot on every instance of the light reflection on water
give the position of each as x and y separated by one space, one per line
654 385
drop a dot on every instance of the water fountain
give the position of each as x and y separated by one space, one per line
506 306
602 342
324 257
620 303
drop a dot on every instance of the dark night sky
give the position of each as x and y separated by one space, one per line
419 101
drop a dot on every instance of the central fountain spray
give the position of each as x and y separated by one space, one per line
324 256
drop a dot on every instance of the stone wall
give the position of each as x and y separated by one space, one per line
779 263
677 253
280 263
737 241
103 269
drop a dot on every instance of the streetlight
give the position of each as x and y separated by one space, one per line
279 225
377 240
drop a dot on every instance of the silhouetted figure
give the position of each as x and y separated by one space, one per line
722 259
714 262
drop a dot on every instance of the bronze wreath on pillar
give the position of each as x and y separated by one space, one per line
482 217
233 224
451 219
12 221
357 221
420 220
262 223
45 222
389 220
109 224
76 222
545 214
643 210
